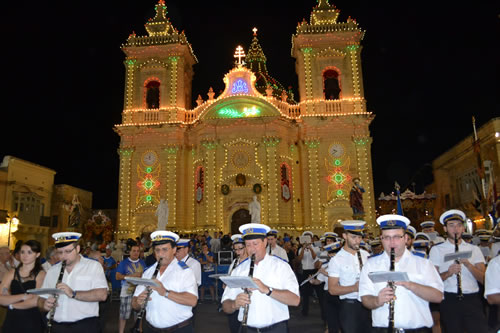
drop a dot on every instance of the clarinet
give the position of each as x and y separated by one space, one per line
56 296
248 292
360 260
391 284
459 274
137 325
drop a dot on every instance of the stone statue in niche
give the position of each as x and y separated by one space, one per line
162 214
254 209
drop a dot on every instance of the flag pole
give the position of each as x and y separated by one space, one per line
480 172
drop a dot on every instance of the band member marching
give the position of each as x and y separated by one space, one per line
461 309
267 307
241 254
84 285
343 279
169 306
410 299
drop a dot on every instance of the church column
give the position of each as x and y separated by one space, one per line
124 192
171 194
356 70
129 85
211 183
362 144
314 184
307 54
273 195
173 81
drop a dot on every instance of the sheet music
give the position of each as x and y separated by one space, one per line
45 291
457 255
377 277
141 281
239 282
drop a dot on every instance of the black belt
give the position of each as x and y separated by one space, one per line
350 301
267 328
171 328
403 330
464 296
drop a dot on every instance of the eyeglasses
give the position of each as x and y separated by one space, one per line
394 238
59 252
239 248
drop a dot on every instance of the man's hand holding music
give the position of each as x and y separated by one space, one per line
161 289
385 296
262 287
242 300
64 287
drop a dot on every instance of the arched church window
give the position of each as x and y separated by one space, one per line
331 84
153 95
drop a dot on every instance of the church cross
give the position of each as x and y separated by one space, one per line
240 53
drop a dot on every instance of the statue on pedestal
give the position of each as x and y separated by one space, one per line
162 214
356 199
254 209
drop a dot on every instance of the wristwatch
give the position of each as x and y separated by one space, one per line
270 291
11 307
166 293
74 294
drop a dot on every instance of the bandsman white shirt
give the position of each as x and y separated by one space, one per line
162 312
195 266
265 310
469 282
495 248
307 259
345 267
87 274
492 278
278 251
410 311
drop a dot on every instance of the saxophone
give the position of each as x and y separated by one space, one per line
391 285
56 296
137 325
459 274
248 292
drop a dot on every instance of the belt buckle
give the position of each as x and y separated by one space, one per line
258 330
399 330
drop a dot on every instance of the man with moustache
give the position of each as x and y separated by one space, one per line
343 279
278 286
411 298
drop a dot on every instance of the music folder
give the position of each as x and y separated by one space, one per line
457 255
239 282
45 291
387 276
141 281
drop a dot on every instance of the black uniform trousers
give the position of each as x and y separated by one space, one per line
234 323
354 317
332 312
81 326
307 289
463 315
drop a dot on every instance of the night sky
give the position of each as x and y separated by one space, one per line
426 71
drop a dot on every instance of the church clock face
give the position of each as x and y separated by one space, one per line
149 158
336 150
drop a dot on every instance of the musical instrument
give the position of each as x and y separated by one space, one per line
391 285
324 265
137 325
459 274
248 292
360 260
56 296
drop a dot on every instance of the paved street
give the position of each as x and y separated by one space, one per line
209 320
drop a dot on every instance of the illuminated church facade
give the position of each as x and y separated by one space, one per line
298 158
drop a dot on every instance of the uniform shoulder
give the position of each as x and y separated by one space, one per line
375 255
420 254
182 264
278 257
242 262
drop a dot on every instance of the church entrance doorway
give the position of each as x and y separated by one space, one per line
240 217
